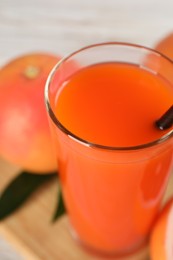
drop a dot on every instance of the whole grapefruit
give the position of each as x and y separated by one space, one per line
24 130
161 242
165 45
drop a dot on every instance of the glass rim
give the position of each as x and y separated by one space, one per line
78 139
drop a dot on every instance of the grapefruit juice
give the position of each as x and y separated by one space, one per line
112 168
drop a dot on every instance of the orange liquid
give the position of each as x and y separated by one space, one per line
113 197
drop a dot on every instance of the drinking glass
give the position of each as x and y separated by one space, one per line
112 194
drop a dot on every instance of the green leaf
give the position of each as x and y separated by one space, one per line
19 190
60 209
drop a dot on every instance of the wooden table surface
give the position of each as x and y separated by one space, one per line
62 27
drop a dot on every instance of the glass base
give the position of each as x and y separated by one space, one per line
140 252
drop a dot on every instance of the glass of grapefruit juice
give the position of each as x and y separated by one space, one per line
113 162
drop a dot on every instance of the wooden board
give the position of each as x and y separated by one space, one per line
31 231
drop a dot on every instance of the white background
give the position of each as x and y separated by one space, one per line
62 26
